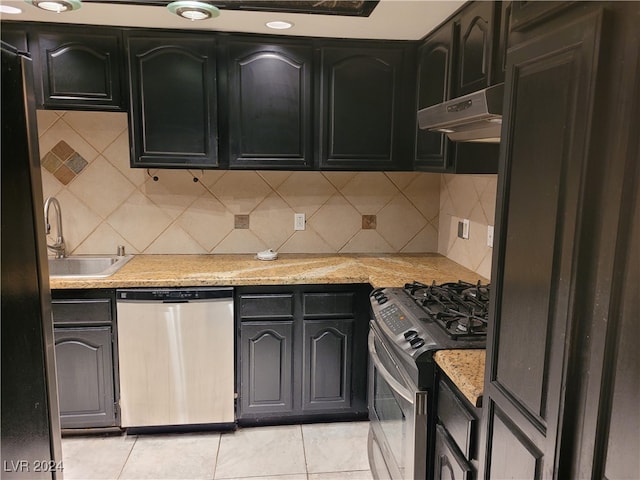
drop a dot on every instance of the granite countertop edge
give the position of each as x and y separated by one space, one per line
465 368
384 270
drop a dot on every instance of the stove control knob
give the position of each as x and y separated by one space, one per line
416 342
410 335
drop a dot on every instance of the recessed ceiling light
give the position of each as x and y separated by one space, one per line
56 6
9 9
279 24
193 10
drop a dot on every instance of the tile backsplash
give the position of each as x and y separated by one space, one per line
106 203
472 197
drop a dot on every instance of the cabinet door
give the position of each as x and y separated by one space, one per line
361 96
549 113
474 47
80 70
173 101
84 365
266 381
328 351
434 82
270 94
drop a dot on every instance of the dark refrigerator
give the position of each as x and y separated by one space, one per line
30 425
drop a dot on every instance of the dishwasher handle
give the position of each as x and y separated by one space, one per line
173 295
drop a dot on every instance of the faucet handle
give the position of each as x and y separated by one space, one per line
121 251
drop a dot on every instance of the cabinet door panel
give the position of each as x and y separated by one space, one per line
361 92
267 363
434 82
512 456
327 364
173 102
270 106
84 362
80 71
550 96
474 52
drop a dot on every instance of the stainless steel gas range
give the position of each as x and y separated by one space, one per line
409 324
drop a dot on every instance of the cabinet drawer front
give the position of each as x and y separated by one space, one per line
267 306
456 418
329 304
87 312
448 463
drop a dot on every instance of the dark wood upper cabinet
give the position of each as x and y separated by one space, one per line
173 109
474 36
79 69
15 35
438 79
270 94
434 84
362 96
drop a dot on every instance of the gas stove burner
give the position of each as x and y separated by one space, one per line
460 308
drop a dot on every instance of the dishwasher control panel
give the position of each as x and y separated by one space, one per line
173 294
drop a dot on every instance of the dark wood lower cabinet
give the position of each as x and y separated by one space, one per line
456 434
85 358
328 348
84 364
266 352
302 353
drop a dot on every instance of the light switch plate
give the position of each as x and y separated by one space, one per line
463 229
490 236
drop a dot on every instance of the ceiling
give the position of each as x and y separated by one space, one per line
390 19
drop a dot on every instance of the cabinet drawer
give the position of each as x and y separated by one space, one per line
267 306
456 418
86 312
448 462
328 304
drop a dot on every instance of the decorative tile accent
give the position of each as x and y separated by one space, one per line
62 150
241 222
64 174
64 162
51 162
76 163
368 222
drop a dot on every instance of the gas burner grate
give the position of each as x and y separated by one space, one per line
460 308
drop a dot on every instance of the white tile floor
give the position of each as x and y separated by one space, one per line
325 451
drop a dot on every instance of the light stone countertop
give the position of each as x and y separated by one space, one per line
384 270
465 368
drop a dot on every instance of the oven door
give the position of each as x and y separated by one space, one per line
398 417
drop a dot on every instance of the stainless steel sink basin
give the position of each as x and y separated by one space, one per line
86 266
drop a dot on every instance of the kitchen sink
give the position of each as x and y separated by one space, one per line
86 266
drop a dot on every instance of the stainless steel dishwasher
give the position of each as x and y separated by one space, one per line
176 356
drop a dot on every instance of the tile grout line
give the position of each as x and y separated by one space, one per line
128 456
304 452
215 465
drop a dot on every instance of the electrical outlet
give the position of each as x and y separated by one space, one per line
465 228
490 236
298 221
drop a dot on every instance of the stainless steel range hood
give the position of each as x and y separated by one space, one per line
476 117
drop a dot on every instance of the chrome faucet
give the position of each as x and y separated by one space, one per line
58 247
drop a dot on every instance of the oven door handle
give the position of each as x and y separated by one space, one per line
393 383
